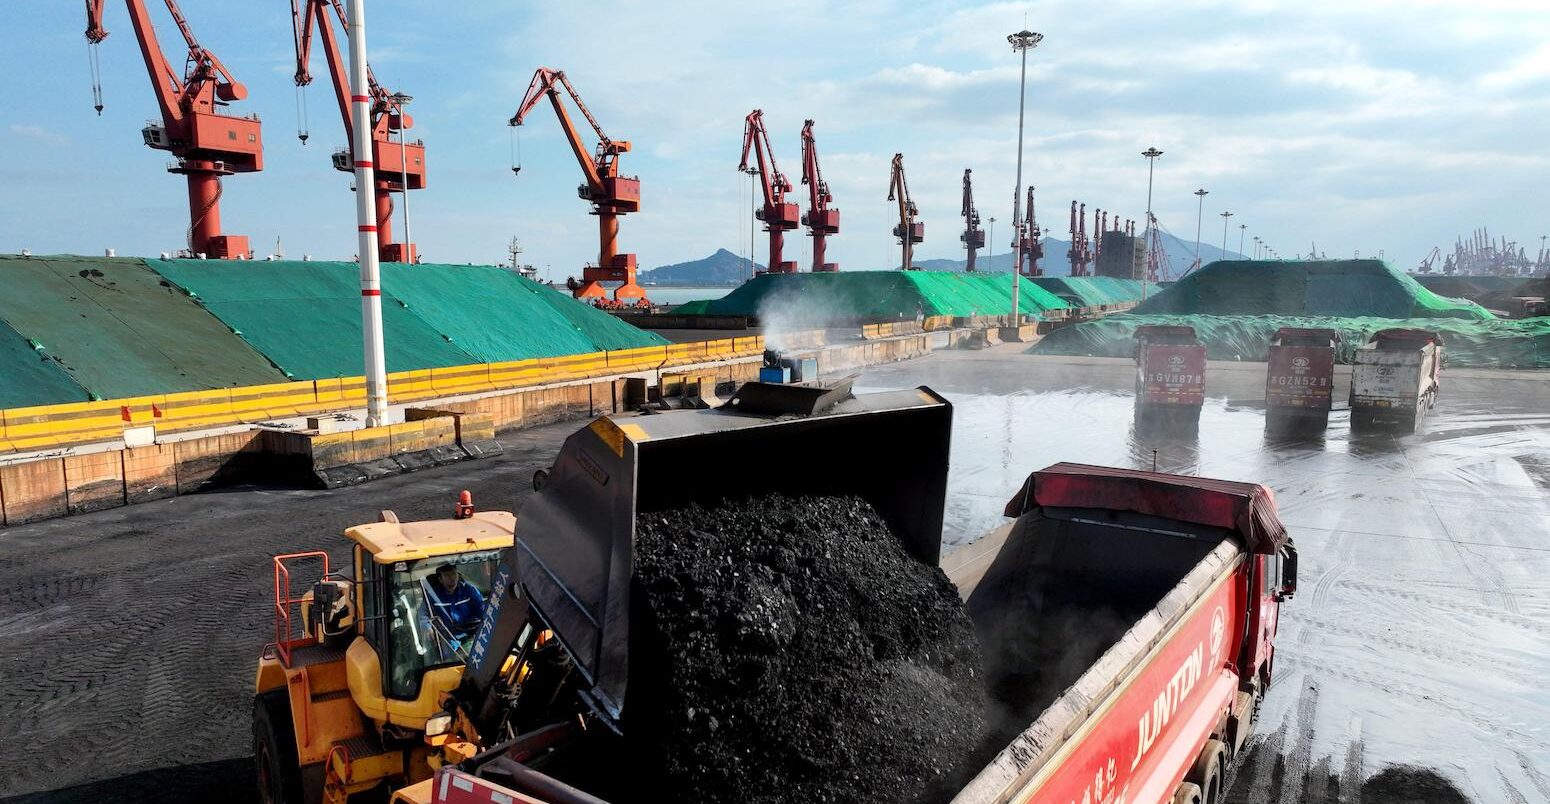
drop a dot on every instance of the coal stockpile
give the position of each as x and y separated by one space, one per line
789 649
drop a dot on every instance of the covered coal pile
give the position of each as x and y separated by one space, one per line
790 649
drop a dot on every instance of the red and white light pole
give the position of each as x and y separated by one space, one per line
366 221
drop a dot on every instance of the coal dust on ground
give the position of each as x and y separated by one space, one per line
790 649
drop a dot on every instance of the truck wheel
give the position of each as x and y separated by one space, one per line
1209 771
274 749
1188 793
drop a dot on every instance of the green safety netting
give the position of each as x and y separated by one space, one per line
847 297
118 330
1319 288
1095 291
1500 343
29 376
306 315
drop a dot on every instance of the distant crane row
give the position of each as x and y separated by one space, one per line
209 143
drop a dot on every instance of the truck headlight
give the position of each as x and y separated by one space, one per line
438 724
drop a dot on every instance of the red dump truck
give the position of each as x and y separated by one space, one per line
1128 621
1170 374
1395 379
1300 379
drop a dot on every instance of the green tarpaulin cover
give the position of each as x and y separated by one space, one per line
1095 291
1345 288
118 330
306 315
29 376
846 297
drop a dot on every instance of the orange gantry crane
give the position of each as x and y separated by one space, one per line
206 142
908 230
400 166
610 194
1026 238
779 215
973 236
820 220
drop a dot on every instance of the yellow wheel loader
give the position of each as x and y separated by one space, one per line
374 695
361 661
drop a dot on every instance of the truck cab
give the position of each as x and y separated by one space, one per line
361 662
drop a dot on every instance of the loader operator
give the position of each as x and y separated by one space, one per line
456 602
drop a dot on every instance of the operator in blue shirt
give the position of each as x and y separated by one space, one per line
455 601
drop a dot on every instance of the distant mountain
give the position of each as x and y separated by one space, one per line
720 269
1055 262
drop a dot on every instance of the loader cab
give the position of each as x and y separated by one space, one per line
402 605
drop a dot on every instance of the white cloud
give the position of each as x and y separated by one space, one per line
33 131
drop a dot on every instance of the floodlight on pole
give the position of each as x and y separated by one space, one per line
1200 216
1151 154
1021 42
1225 216
991 257
1243 229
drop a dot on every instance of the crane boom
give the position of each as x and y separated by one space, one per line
400 166
206 142
973 236
610 194
908 230
779 215
819 218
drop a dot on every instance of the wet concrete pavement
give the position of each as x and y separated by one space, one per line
1420 634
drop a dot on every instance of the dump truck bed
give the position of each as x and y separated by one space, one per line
1078 666
1112 614
1395 380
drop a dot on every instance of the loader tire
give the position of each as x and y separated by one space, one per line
1209 772
1188 793
274 749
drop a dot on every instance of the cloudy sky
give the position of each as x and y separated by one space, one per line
1359 126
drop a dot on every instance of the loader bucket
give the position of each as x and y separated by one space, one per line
575 536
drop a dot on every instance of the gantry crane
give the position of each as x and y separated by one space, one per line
973 236
779 215
400 166
908 230
820 220
206 143
611 195
1026 237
